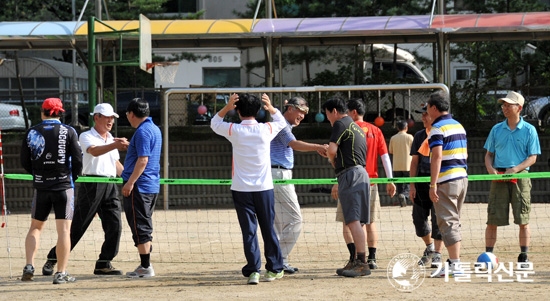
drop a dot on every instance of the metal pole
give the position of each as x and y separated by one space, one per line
99 48
115 91
165 143
74 86
92 93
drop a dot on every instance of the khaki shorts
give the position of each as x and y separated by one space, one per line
505 193
374 206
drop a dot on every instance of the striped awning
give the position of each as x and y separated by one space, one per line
298 31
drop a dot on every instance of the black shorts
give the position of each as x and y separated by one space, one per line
62 202
139 208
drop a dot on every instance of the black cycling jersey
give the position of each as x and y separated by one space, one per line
52 154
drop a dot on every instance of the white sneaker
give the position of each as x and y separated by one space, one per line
436 260
449 270
141 272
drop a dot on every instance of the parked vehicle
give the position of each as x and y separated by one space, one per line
539 110
12 118
406 70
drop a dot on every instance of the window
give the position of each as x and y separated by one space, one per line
181 6
47 83
222 77
462 74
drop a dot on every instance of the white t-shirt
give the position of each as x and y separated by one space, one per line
251 150
104 165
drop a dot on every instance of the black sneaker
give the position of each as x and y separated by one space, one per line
60 278
523 258
48 267
289 269
28 273
106 269
358 269
348 266
372 264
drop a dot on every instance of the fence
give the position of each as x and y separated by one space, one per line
176 108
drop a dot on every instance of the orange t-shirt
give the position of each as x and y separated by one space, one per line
376 145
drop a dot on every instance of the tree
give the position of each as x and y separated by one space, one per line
498 65
352 61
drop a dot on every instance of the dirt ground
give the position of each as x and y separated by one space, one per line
198 255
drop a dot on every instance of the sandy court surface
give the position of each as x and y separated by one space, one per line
198 255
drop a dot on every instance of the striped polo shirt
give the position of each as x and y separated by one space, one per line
450 134
281 153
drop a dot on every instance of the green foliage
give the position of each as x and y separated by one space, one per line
499 66
35 10
338 8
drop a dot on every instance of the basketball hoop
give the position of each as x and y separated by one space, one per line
167 72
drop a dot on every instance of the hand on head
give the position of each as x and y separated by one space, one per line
267 104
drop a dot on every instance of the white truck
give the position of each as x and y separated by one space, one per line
406 69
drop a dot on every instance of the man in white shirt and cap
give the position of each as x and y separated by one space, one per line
101 159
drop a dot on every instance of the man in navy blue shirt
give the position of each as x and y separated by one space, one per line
141 178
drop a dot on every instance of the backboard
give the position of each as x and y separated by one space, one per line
145 53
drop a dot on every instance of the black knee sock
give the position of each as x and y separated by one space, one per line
372 253
361 257
351 248
489 249
145 260
524 249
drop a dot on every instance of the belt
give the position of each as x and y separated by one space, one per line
97 176
500 169
279 166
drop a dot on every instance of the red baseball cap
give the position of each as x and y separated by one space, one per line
53 104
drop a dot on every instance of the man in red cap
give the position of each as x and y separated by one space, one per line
52 154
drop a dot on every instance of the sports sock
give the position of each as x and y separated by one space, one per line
430 247
145 260
489 249
361 257
524 249
351 248
372 253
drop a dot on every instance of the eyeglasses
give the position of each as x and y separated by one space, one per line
508 105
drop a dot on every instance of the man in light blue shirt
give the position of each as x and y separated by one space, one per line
512 147
288 218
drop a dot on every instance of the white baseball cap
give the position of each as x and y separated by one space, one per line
513 98
104 109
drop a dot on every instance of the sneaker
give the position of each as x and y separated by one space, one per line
402 200
426 257
141 272
270 276
436 260
289 269
346 267
523 258
372 264
254 278
60 278
48 267
107 269
28 273
358 269
451 270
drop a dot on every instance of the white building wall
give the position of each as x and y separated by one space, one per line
191 73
